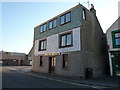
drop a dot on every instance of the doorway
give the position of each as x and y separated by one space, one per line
115 63
52 64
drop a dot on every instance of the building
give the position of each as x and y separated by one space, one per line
70 44
31 55
13 58
113 40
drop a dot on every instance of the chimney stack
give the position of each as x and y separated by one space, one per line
92 9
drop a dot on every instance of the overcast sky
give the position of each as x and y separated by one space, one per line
18 18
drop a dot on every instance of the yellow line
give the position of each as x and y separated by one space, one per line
93 86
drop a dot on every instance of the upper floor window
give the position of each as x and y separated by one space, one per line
66 40
43 28
84 14
53 24
68 17
50 25
42 45
65 18
116 38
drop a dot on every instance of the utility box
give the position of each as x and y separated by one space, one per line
89 73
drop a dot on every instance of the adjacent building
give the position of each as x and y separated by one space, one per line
13 58
113 40
31 56
71 44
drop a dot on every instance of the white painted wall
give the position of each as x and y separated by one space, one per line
109 36
53 43
113 27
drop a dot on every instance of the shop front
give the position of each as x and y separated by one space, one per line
115 59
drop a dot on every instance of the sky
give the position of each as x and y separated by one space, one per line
19 17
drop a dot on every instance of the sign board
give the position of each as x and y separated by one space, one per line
52 54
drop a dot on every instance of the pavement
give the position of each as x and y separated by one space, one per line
107 81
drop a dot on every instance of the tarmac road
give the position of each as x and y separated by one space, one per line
13 78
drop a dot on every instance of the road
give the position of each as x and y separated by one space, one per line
13 78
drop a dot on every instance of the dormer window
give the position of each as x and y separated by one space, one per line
53 24
65 18
84 14
43 28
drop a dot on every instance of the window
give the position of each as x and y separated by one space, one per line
65 18
50 25
84 14
66 40
43 28
116 39
53 24
68 17
65 60
42 45
7 53
62 20
41 61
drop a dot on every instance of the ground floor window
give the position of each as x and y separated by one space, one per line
115 57
117 60
65 60
41 61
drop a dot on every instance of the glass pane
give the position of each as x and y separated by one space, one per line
50 25
117 41
55 23
69 40
44 47
41 29
117 35
62 20
39 48
84 17
45 27
41 45
54 60
63 40
67 17
66 64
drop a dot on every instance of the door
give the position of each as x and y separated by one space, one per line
52 64
116 63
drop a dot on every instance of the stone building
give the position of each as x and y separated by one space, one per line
13 58
71 44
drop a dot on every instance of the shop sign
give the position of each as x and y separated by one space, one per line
52 54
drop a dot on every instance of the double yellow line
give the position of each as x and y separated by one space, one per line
73 83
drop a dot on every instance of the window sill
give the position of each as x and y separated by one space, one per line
65 23
42 50
52 28
116 46
65 46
